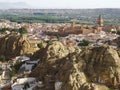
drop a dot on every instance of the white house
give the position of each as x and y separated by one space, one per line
23 58
20 83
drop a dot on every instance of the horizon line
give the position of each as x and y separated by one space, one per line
57 8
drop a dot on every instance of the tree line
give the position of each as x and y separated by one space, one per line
21 30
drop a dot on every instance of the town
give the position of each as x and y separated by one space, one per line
95 34
15 72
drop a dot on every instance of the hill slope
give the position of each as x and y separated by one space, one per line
94 68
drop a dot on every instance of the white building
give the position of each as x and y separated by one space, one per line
20 84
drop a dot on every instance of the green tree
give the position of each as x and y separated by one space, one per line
3 30
113 32
84 42
13 72
118 32
40 45
2 58
49 41
15 30
23 30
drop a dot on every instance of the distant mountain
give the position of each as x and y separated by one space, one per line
17 5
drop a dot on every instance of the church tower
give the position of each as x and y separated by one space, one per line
73 24
100 21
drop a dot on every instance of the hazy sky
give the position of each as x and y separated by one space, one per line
70 3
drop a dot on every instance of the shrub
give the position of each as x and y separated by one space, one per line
13 72
118 32
84 43
49 41
23 30
3 30
40 45
2 58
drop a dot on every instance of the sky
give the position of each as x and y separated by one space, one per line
70 4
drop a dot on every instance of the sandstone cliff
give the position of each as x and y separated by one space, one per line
94 68
49 56
13 44
102 66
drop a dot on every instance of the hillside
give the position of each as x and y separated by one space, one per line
94 68
14 45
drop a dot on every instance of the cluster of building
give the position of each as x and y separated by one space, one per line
98 39
67 33
83 29
73 35
19 81
45 31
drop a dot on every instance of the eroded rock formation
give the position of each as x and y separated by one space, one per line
95 68
49 56
13 44
103 65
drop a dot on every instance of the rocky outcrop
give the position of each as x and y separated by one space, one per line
49 56
92 86
13 44
95 68
102 65
71 72
56 50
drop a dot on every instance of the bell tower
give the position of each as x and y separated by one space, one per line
73 24
100 21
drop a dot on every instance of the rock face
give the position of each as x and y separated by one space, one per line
94 68
13 45
102 65
71 73
57 50
49 56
